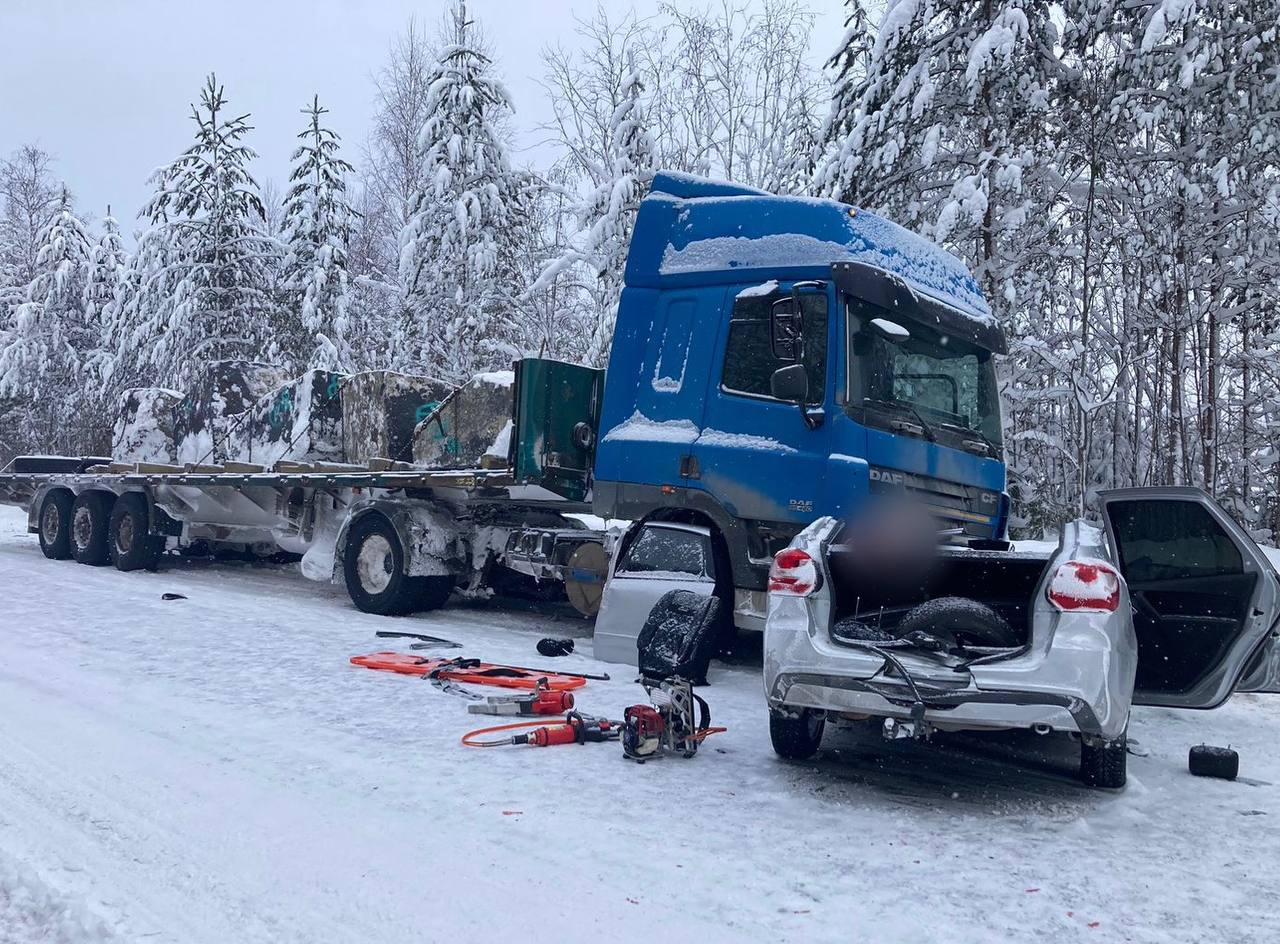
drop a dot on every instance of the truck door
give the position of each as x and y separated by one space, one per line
762 456
1205 599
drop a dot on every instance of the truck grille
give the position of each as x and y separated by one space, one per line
955 505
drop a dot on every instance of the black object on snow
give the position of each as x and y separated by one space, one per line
429 642
172 596
1205 760
678 637
555 647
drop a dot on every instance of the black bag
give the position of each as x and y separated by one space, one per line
678 637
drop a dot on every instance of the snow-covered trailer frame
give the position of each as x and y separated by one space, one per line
401 540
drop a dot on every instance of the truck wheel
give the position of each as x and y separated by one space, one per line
1104 763
132 545
431 592
373 565
55 524
796 738
90 516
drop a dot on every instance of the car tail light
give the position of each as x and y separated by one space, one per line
793 572
1085 587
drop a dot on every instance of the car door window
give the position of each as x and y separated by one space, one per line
1172 540
666 551
749 361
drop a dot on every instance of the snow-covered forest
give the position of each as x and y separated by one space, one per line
1110 169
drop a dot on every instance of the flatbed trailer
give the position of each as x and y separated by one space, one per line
401 539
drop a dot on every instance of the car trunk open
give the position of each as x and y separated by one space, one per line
1005 581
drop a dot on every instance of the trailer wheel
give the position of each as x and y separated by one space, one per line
799 737
90 517
129 538
1104 763
373 565
55 524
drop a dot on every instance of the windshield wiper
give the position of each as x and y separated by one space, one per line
925 428
992 449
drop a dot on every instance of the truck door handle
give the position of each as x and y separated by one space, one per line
689 467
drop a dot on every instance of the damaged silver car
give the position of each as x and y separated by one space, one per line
1173 604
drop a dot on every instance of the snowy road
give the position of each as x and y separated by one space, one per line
212 770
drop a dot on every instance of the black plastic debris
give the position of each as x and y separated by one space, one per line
172 596
555 647
1205 760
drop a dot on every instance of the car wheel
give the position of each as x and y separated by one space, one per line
55 524
129 538
90 518
373 565
1103 762
798 737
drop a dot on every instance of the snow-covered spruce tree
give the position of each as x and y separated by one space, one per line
218 257
55 343
316 230
458 315
108 268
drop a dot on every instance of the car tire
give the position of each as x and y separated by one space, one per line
798 737
960 619
129 537
54 524
90 519
1104 763
373 567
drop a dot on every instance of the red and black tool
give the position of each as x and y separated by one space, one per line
575 729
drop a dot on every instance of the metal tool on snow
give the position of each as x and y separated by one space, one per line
541 701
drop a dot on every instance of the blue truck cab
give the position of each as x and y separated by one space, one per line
776 359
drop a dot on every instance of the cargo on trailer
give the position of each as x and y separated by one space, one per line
381 409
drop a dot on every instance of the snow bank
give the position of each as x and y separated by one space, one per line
30 910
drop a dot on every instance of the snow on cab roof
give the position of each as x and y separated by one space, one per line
691 230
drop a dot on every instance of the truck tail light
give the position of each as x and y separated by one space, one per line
794 573
1085 587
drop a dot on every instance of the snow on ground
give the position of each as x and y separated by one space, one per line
213 770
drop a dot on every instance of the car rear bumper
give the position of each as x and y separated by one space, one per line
1077 677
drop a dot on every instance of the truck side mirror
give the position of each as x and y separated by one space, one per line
786 329
790 383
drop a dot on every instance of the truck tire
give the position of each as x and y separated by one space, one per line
1104 763
55 524
90 518
129 538
796 738
431 592
373 565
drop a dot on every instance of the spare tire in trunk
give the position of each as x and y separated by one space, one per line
958 622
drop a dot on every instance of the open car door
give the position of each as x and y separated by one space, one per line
1205 599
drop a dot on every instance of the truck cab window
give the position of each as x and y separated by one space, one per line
748 358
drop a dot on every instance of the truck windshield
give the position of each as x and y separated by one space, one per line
913 370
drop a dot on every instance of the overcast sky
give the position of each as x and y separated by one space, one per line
106 86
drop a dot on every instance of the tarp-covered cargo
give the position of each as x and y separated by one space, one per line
143 430
207 420
468 425
300 421
380 409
